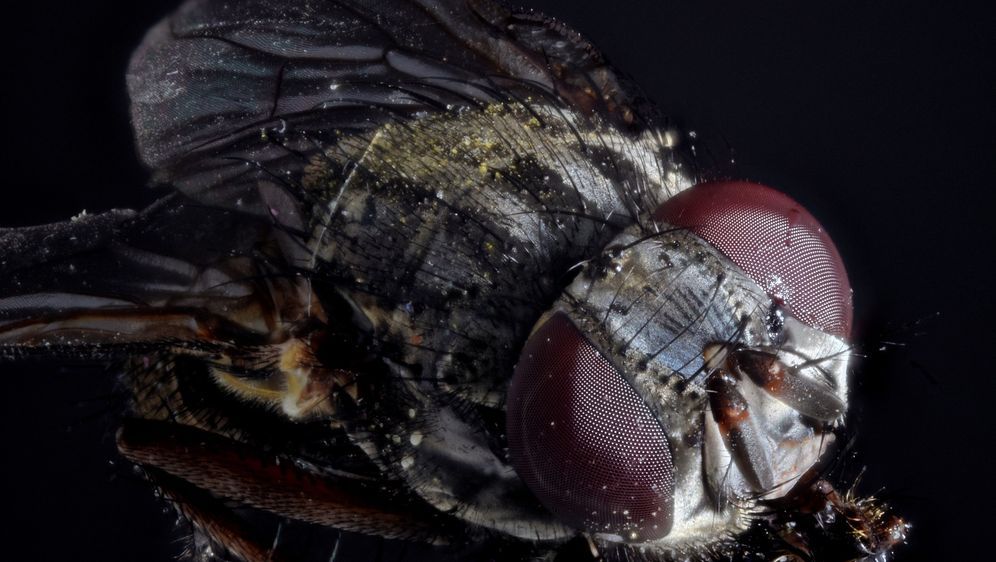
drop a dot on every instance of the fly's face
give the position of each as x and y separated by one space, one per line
691 371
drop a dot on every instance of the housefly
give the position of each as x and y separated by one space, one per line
432 271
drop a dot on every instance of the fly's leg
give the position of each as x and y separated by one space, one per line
228 469
297 384
210 516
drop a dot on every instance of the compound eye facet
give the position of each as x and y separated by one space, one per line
776 242
584 442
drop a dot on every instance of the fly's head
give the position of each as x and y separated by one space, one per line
698 367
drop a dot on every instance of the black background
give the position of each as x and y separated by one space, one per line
877 116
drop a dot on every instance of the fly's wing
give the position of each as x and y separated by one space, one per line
228 97
100 284
230 103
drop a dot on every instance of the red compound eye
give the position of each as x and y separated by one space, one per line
584 442
776 242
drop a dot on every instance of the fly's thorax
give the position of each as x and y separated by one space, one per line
450 234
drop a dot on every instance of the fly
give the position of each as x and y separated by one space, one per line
430 270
